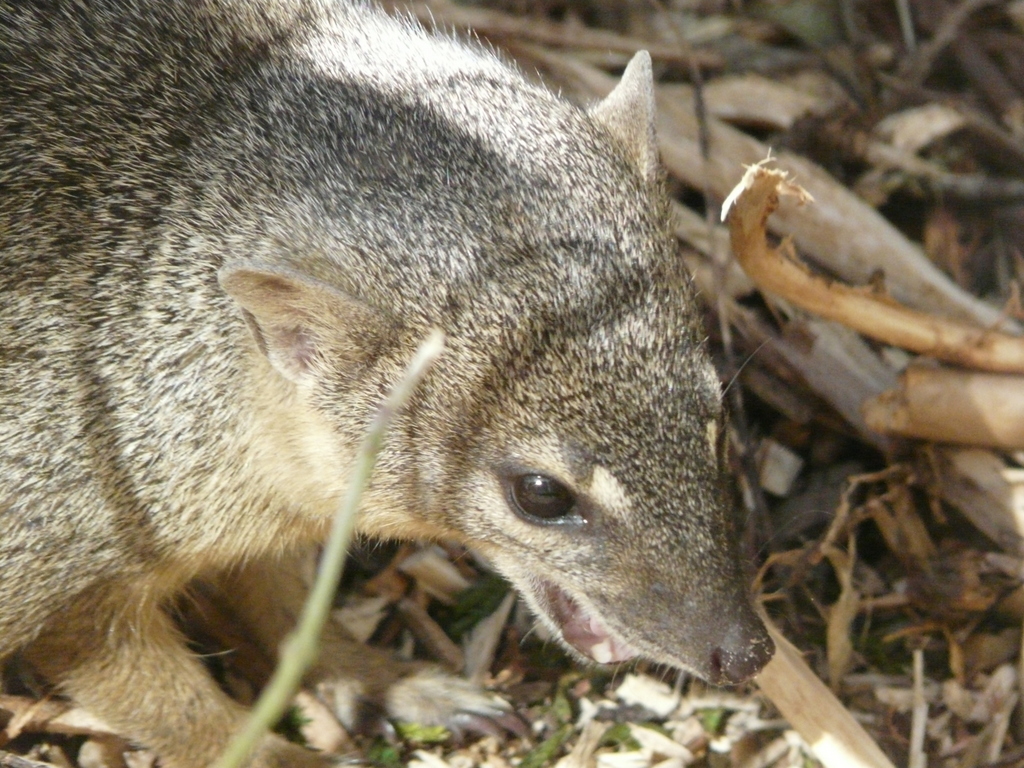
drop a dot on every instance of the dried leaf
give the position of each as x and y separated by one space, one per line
649 693
841 614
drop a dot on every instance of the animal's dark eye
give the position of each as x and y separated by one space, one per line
541 497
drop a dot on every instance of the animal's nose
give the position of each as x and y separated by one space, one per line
742 654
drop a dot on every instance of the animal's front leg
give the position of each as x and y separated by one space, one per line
359 683
121 658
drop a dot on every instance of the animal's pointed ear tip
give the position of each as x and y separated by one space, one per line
642 61
639 68
639 74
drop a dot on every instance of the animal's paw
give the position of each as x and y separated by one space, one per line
432 697
424 695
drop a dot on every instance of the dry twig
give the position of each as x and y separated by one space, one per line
836 739
951 406
870 313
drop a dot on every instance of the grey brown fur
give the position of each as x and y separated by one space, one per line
224 226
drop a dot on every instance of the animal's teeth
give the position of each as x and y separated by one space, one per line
602 652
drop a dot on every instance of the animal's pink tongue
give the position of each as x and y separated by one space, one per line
584 632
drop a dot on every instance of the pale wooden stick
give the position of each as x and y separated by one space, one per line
752 99
919 717
986 491
836 739
430 633
951 406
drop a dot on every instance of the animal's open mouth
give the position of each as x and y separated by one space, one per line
586 633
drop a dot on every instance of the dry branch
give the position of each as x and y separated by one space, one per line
919 718
428 632
752 99
834 361
991 495
836 739
950 406
969 186
756 197
711 240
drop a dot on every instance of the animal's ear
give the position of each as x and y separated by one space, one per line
298 322
628 112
